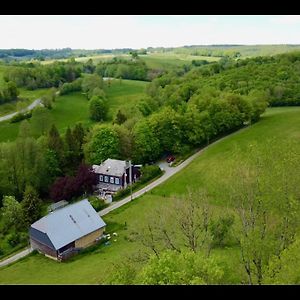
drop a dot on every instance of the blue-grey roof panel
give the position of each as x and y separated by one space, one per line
69 223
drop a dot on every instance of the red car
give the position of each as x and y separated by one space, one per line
170 158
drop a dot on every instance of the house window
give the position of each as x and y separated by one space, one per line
117 181
105 178
101 177
112 180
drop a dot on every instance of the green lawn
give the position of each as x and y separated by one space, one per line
281 124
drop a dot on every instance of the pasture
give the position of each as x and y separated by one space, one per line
207 171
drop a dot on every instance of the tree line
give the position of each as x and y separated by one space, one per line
38 76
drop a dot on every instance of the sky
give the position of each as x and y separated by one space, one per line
138 31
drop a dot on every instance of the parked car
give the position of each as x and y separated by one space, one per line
170 158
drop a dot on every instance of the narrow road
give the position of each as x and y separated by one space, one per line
15 257
30 107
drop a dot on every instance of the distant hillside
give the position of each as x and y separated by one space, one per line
45 54
242 51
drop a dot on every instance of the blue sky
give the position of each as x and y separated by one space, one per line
94 32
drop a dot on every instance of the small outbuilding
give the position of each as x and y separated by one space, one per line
67 230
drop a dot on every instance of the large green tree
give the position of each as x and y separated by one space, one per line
103 143
98 109
31 206
186 267
91 82
56 144
146 145
11 213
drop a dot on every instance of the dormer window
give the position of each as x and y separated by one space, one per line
112 180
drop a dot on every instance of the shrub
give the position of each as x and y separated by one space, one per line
23 237
20 116
122 193
13 239
149 172
97 204
220 229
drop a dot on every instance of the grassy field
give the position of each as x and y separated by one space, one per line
124 94
67 111
167 61
73 108
96 267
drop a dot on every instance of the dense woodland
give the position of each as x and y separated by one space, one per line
182 109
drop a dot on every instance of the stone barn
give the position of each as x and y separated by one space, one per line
67 230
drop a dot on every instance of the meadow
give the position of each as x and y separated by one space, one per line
171 60
207 171
73 108
123 94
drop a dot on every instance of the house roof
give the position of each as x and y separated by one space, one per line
69 223
58 204
113 167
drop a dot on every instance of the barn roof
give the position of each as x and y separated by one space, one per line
69 223
113 167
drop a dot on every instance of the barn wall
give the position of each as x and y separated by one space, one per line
88 239
42 248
